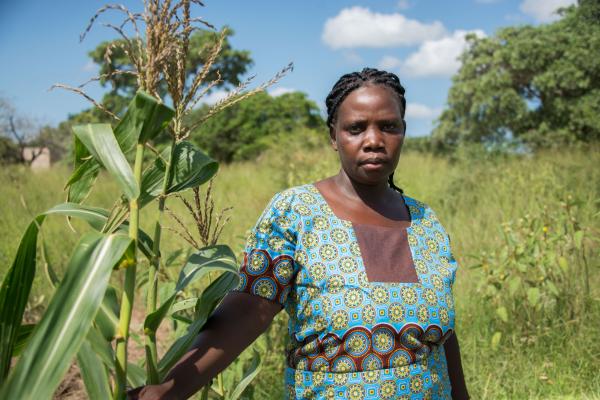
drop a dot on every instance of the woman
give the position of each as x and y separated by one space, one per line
364 272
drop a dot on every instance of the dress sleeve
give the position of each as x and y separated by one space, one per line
268 268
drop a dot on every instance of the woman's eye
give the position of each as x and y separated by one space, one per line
355 129
390 127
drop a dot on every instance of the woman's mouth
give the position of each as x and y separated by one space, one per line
373 163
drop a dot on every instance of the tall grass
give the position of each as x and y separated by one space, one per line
473 196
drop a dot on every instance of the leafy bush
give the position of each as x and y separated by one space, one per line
539 275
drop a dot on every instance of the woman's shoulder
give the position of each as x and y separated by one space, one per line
288 199
295 194
419 209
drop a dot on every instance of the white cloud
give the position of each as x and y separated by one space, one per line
403 4
544 10
359 27
214 97
437 57
421 111
278 91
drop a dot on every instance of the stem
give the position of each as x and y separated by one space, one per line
128 285
151 303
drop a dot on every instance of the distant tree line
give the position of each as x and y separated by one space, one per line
536 86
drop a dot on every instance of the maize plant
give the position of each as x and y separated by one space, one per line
87 318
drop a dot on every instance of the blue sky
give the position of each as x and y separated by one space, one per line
417 39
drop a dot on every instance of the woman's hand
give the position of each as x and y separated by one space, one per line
150 392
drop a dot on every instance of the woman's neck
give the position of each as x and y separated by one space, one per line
368 193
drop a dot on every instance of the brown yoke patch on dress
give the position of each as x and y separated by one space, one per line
386 253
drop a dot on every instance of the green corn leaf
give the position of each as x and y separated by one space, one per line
100 141
85 172
249 375
101 347
94 373
152 178
107 319
82 180
191 167
144 120
208 259
22 338
64 326
14 293
136 375
183 305
209 299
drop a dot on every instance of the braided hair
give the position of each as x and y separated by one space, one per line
350 82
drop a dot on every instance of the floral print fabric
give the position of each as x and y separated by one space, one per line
352 338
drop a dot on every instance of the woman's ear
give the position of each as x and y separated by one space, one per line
332 138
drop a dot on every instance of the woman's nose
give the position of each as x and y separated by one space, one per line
373 139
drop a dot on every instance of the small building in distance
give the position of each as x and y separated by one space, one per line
37 157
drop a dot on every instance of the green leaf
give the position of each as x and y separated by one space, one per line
502 313
63 327
496 337
184 305
94 373
208 301
100 141
553 289
82 180
578 239
101 347
22 338
136 375
533 296
513 285
145 118
191 167
14 293
152 178
200 263
563 264
86 170
107 319
249 375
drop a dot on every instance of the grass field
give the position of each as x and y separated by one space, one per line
549 350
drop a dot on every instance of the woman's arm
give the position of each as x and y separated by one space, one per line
455 371
234 325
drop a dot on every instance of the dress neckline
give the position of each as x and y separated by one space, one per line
324 200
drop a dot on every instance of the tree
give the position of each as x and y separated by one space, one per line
242 131
17 133
230 63
537 84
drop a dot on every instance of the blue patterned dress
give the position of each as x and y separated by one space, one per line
352 338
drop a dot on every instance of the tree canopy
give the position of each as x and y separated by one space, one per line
243 130
539 85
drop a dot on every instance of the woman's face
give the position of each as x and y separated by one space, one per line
368 134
